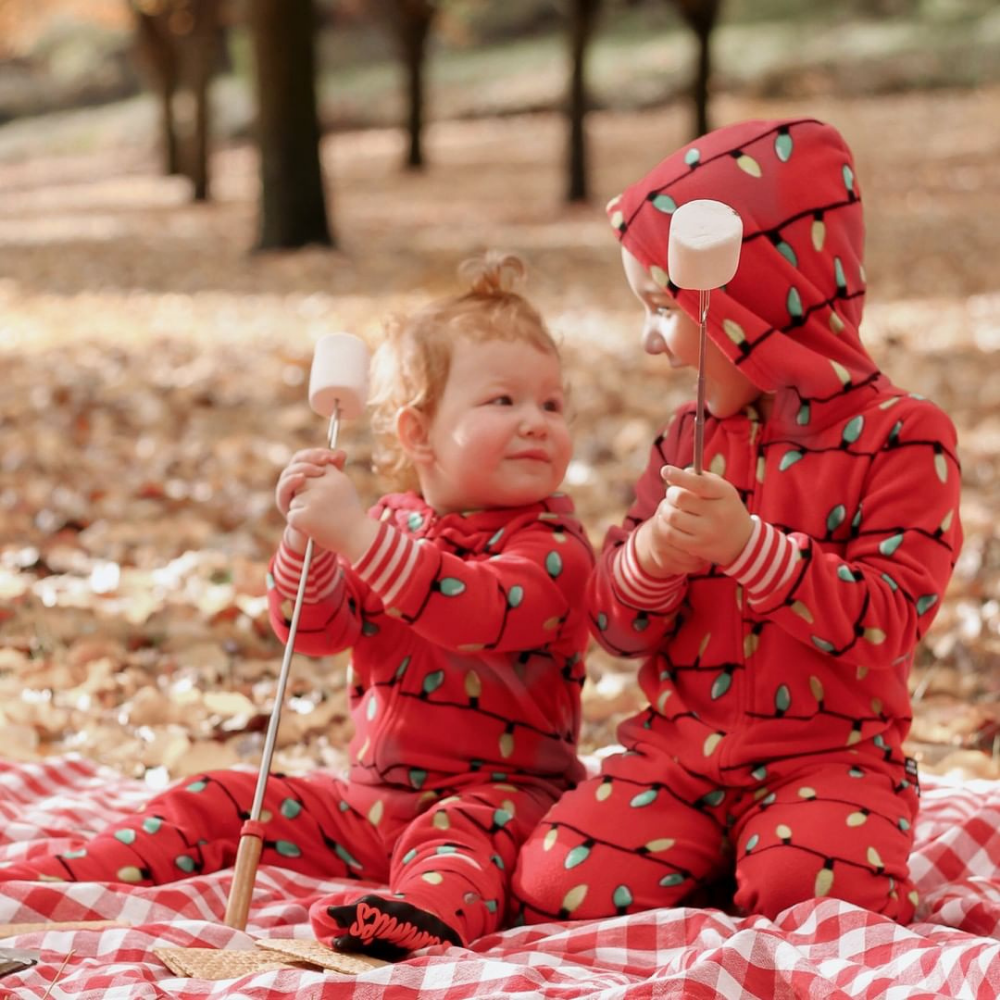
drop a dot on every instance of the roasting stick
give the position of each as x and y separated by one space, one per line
703 252
338 385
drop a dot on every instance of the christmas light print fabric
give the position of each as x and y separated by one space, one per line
819 948
777 686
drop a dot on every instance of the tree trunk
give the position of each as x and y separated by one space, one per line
413 22
293 205
157 56
201 49
701 78
583 16
701 16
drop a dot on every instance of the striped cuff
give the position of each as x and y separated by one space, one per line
640 589
388 562
324 574
766 563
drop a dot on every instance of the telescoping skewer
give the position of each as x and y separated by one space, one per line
338 385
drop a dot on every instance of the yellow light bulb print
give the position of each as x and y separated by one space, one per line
574 898
548 842
824 881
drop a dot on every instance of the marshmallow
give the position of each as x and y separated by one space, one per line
339 374
705 241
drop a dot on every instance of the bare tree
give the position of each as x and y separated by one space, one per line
293 204
583 16
179 43
411 21
701 16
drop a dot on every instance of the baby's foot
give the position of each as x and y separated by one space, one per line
388 928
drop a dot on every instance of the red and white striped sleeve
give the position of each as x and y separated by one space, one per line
324 574
767 562
388 562
638 589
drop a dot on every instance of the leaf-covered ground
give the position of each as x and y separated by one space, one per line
153 385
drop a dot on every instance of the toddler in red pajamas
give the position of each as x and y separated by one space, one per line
463 603
777 598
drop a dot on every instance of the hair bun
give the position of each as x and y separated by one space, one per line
494 274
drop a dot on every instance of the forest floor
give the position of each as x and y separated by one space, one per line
153 387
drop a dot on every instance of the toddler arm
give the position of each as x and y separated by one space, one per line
872 605
629 609
518 599
329 621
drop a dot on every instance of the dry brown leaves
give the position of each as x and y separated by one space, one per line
153 387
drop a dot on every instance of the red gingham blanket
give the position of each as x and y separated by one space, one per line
817 949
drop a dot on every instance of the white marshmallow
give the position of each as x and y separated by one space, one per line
704 247
339 373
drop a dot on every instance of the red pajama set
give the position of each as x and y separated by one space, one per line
771 747
468 631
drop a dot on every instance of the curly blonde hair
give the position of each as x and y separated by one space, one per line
410 366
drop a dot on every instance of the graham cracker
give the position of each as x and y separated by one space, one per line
9 930
318 954
215 963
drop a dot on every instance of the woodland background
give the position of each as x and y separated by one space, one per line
155 341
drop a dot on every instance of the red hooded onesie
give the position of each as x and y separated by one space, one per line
777 685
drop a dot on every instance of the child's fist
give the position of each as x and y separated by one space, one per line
704 515
326 508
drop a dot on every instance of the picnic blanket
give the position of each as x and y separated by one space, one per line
817 949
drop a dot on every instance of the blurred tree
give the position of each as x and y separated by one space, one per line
293 204
179 44
411 22
583 16
701 16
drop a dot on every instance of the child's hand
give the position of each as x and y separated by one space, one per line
326 508
705 516
656 554
303 465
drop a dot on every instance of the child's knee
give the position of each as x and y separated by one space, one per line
540 881
771 883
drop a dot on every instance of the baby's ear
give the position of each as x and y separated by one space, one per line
412 429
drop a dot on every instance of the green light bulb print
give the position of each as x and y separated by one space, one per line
839 277
721 685
789 459
433 681
782 700
783 145
664 203
622 898
889 545
451 587
692 157
644 798
794 304
848 176
578 855
853 429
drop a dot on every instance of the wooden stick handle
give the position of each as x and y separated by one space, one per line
241 892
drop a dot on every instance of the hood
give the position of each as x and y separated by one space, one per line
789 318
